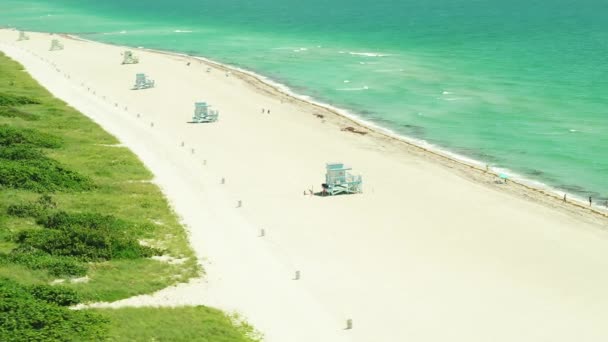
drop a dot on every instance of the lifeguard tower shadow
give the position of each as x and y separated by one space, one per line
339 181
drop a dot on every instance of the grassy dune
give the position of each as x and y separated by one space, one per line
75 203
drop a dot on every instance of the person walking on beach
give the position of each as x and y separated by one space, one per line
590 201
565 197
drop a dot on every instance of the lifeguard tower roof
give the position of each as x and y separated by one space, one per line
337 166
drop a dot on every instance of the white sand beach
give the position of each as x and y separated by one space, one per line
432 250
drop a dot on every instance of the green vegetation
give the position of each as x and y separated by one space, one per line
7 99
176 324
37 260
24 166
11 112
86 237
24 137
40 313
74 203
72 238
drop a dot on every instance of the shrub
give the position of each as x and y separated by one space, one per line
55 294
36 209
20 152
16 100
58 266
14 136
24 210
46 201
41 175
62 267
23 166
30 314
11 112
70 239
86 236
88 220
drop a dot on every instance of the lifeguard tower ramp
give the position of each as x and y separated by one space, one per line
143 82
56 45
23 36
129 58
338 180
203 113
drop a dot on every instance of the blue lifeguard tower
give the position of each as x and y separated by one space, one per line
338 180
129 58
56 45
22 36
203 113
142 82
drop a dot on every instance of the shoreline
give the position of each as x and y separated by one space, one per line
574 204
431 242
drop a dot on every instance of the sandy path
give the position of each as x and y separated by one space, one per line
424 254
260 287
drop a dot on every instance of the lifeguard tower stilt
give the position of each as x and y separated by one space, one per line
339 181
56 45
128 58
142 82
202 113
22 36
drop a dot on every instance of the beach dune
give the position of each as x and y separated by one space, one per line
428 252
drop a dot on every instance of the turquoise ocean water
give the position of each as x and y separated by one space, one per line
522 85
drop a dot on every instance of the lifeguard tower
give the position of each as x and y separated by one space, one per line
339 180
22 36
202 113
142 82
128 58
56 45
